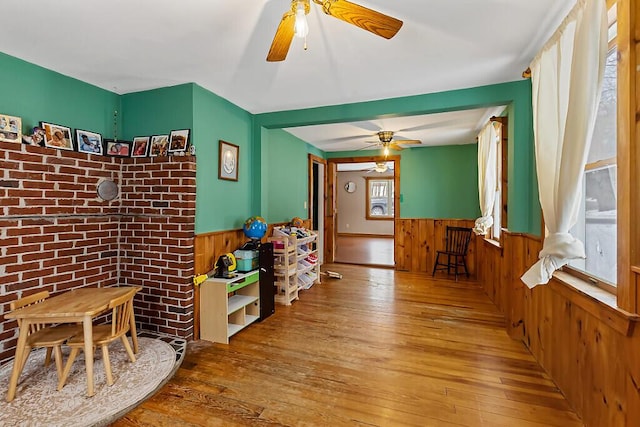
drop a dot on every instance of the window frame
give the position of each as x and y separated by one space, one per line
498 227
390 198
596 281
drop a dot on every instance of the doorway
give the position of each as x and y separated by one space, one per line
362 204
317 191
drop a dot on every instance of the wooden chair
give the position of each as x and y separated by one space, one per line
456 246
44 335
103 335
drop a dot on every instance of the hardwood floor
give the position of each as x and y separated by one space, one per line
377 348
372 251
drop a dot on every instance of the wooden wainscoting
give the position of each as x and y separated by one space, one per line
589 348
417 241
209 246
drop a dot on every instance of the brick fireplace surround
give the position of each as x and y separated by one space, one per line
57 234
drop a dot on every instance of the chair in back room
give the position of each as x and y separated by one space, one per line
455 252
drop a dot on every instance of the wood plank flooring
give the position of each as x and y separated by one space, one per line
377 348
371 251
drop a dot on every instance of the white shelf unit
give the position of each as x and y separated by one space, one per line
307 263
228 306
308 269
285 269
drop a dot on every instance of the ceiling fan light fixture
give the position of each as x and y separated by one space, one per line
301 27
385 136
381 167
386 150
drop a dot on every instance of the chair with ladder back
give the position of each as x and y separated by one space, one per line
455 252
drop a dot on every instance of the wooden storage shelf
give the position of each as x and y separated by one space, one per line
303 247
228 306
285 269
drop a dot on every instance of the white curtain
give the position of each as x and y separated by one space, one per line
487 168
566 79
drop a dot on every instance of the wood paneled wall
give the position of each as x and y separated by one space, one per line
209 246
417 241
588 348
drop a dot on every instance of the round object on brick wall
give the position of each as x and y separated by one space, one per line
107 190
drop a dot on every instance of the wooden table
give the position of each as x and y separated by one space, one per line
79 305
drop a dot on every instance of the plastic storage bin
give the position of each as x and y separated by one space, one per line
246 260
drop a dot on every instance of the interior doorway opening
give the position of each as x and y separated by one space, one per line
362 207
317 192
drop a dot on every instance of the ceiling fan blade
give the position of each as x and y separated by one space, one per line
375 22
282 39
395 147
407 141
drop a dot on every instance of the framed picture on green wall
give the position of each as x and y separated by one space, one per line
57 136
159 145
140 146
117 148
10 128
178 141
228 155
89 142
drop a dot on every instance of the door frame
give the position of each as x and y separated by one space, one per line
312 160
330 222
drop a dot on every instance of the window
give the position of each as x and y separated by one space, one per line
380 198
597 220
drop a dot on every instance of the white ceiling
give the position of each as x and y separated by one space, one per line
132 45
452 128
362 166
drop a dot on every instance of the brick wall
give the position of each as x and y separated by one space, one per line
57 234
158 225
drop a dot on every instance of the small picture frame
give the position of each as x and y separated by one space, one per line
89 142
140 146
228 155
117 148
10 128
57 136
178 141
159 146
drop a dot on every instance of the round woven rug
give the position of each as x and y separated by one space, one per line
38 403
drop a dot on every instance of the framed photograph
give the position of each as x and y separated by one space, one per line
56 136
89 142
228 155
159 145
10 128
117 148
140 146
178 141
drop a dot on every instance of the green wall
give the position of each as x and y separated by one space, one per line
284 172
440 182
157 111
220 204
436 182
36 94
524 208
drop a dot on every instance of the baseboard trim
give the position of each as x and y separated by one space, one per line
384 236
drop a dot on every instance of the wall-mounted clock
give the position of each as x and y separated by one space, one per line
350 187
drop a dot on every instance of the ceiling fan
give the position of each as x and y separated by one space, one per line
379 167
294 23
385 140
